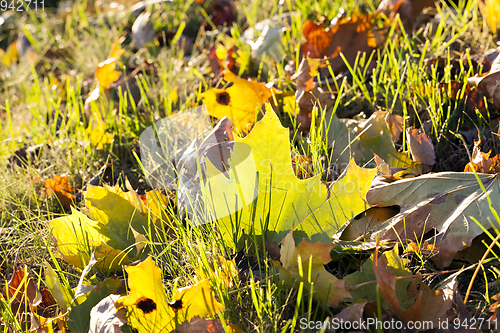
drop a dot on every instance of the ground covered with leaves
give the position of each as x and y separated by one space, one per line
250 166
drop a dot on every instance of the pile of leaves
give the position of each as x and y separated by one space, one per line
360 210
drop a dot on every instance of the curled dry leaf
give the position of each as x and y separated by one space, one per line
482 162
239 103
297 264
60 187
148 309
421 147
308 93
395 124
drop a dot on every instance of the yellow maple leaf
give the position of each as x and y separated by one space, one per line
240 102
78 236
148 309
105 72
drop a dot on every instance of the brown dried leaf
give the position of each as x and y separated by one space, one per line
395 124
308 94
387 286
407 9
435 303
465 97
488 83
21 291
421 147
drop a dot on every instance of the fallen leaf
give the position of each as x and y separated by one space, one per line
306 263
21 292
148 309
349 35
308 94
263 187
444 202
61 294
387 285
495 308
217 148
482 162
80 316
105 318
466 98
421 147
434 303
60 187
10 55
97 132
407 9
115 211
395 124
223 272
361 140
364 223
358 312
487 83
105 72
70 230
239 103
464 316
143 31
360 291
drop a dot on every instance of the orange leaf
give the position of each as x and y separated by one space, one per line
481 162
349 35
105 72
60 187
